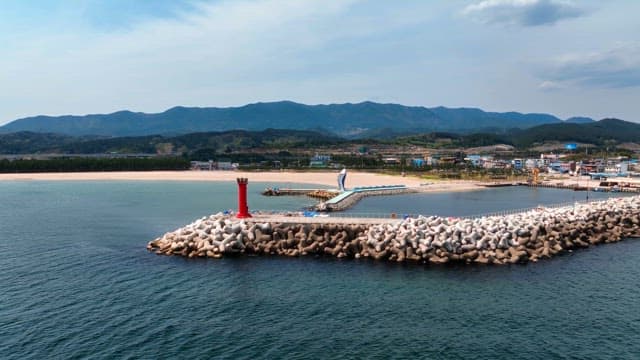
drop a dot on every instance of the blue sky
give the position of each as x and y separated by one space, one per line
568 58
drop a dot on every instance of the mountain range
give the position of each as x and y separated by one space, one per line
366 119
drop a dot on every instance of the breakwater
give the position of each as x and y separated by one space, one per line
517 238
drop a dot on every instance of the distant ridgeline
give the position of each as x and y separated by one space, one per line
362 120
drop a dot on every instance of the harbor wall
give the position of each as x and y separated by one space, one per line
517 238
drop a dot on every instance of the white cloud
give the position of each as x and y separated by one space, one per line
618 67
220 42
523 12
217 54
550 86
233 52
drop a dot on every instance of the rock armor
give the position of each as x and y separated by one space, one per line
517 238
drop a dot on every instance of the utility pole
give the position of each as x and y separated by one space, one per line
588 184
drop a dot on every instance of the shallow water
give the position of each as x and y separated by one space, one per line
77 282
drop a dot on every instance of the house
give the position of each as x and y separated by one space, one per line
558 168
474 160
202 165
496 164
546 159
517 164
317 164
433 160
214 165
531 164
391 161
319 161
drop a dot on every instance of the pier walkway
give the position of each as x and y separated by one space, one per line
323 194
296 219
349 198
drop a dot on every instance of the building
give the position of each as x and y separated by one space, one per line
531 164
558 168
391 161
546 159
317 164
418 162
517 164
213 165
319 161
433 160
474 160
496 164
202 165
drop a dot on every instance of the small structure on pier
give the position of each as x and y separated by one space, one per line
342 176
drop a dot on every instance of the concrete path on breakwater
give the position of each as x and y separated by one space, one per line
283 219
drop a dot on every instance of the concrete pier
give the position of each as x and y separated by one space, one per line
335 200
349 198
324 194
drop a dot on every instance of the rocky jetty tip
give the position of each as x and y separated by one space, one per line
518 238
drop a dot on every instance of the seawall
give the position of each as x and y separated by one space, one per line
518 238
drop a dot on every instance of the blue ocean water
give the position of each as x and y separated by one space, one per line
77 282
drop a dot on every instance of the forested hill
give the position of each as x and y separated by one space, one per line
346 120
598 133
603 132
595 132
226 141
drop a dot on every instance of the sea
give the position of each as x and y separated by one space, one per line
76 282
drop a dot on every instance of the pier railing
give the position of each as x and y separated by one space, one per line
334 214
524 210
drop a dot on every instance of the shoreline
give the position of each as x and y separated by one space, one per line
324 178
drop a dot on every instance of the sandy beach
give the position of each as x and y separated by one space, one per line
326 178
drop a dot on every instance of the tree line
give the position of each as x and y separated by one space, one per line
93 164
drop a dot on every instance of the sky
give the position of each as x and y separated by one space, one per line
564 57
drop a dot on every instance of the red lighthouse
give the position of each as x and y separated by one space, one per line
243 208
